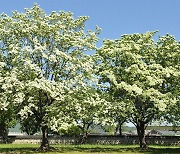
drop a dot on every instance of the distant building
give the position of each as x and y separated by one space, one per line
153 133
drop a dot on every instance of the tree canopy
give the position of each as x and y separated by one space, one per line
49 53
49 80
136 74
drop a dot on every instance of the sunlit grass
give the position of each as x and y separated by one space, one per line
87 148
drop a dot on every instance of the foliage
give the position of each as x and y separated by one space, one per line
48 79
71 131
10 89
168 56
136 78
30 125
49 52
7 120
85 108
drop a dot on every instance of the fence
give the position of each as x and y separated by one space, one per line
97 139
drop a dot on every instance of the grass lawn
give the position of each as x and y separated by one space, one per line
80 149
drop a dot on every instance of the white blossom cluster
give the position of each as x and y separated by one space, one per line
46 75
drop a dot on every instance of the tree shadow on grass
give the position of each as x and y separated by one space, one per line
120 150
163 150
24 150
18 150
117 150
97 149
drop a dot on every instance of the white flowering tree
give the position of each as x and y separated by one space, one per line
119 113
129 66
7 96
85 108
10 86
84 105
168 55
50 50
10 97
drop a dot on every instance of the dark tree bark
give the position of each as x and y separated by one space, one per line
5 136
45 143
141 134
4 132
119 127
120 130
40 116
84 137
85 130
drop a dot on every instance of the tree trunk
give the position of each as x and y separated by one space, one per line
45 142
120 129
141 134
4 133
84 137
116 131
85 129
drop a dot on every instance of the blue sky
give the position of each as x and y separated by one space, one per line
115 17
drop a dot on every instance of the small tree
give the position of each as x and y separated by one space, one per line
85 107
131 69
120 117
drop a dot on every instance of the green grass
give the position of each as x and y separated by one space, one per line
81 149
